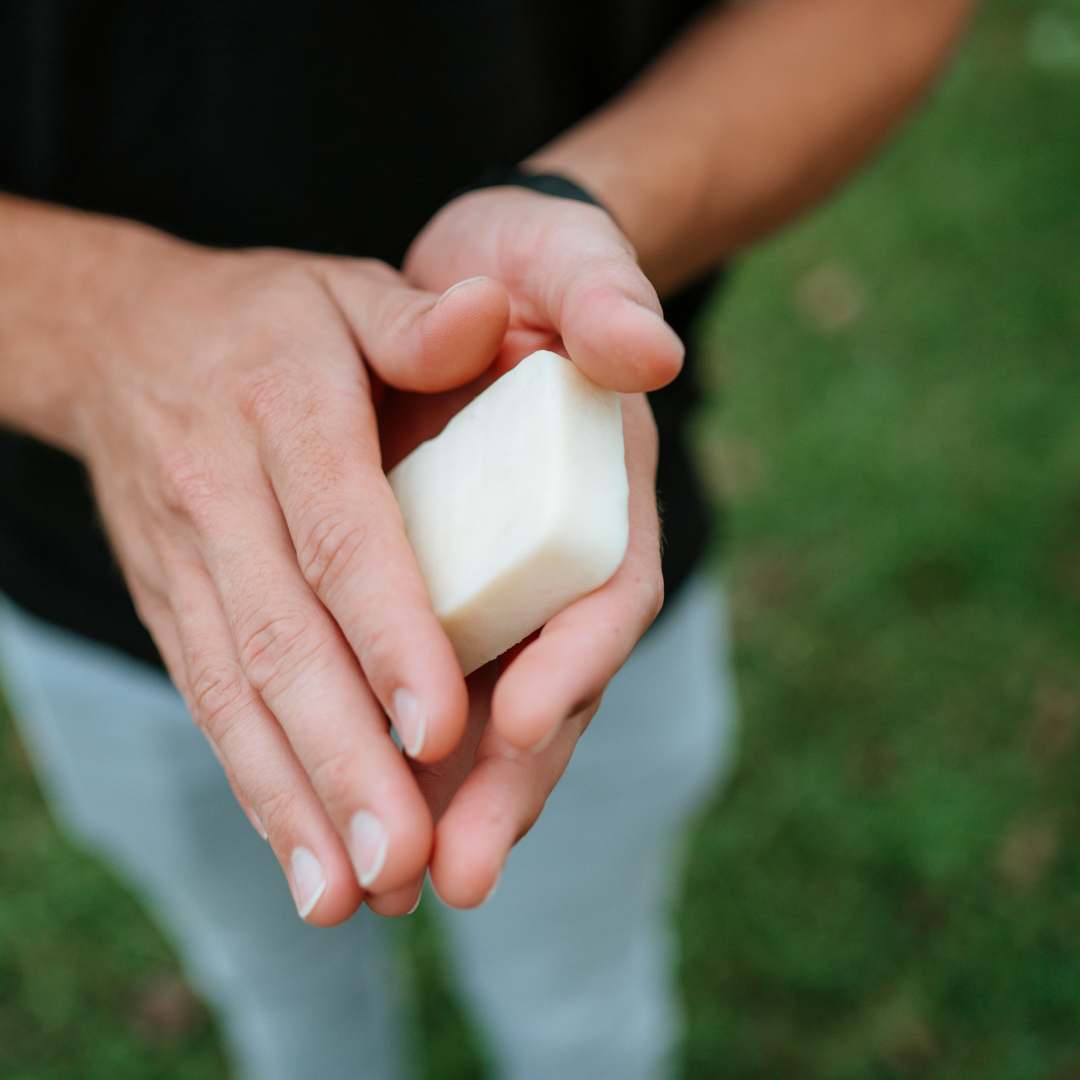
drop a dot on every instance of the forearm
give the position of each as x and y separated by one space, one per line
757 112
62 274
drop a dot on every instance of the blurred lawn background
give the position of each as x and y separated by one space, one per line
891 885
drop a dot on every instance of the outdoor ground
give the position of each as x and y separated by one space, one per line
890 886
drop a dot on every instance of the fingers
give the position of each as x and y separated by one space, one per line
416 340
545 697
321 455
607 312
580 276
579 651
275 654
439 782
291 652
163 629
403 901
498 803
259 762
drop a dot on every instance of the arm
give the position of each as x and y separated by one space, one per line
753 115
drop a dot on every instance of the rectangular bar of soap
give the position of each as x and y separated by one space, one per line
519 506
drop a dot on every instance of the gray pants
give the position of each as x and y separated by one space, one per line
568 970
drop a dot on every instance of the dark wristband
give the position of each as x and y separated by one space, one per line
562 187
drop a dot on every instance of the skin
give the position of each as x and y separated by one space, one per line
756 113
229 406
224 404
487 794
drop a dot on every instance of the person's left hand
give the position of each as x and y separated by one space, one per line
574 286
572 276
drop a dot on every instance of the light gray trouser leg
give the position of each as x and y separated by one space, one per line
570 965
128 774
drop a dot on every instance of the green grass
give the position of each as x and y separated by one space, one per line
891 884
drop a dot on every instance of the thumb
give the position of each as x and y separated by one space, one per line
416 340
585 281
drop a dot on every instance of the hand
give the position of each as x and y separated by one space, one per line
572 275
490 791
227 422
574 286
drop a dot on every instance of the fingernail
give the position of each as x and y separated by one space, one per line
547 740
367 846
419 896
309 882
460 285
409 721
256 822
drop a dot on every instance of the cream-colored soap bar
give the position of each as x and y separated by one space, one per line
519 506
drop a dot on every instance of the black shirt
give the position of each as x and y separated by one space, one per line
333 126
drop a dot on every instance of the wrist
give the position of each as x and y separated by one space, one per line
69 279
656 208
133 315
555 184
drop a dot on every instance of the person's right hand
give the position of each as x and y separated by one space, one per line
225 415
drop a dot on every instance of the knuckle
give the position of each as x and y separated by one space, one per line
334 777
375 646
327 548
376 269
279 810
266 396
219 695
652 596
529 817
281 288
584 717
658 595
275 647
400 318
188 487
147 599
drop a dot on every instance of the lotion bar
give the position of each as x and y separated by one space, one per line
519 506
